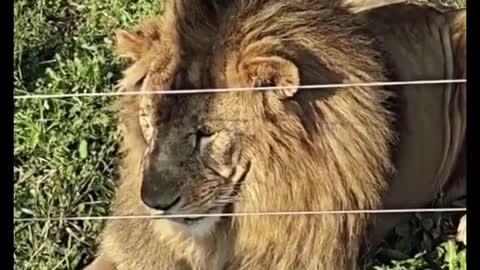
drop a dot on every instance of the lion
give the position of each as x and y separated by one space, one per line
288 149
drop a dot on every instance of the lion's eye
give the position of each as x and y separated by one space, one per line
205 132
200 139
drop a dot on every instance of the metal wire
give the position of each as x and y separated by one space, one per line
217 90
279 213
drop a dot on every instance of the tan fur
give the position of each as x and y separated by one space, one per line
328 149
101 262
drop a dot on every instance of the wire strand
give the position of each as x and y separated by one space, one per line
280 213
217 90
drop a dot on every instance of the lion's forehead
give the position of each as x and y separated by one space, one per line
216 109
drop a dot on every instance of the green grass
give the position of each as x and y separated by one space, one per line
65 149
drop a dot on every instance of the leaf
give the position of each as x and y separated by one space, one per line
83 149
404 245
427 242
393 254
403 230
427 224
451 254
435 233
28 211
462 259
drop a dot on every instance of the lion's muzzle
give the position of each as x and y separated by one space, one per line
159 191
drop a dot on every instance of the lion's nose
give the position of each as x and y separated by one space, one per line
160 202
159 194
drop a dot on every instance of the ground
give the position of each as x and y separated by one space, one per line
65 149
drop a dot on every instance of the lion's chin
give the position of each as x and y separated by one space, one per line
199 227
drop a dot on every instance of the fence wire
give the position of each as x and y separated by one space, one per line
218 90
241 89
277 213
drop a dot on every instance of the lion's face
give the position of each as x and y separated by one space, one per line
196 162
203 148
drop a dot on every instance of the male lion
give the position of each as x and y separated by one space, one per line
288 149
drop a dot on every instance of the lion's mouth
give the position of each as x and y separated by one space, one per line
236 178
180 220
188 221
191 221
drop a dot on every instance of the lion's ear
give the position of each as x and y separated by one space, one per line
134 44
270 71
129 44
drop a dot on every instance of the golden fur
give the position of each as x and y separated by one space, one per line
326 149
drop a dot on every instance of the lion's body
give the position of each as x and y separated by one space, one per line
344 141
430 160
